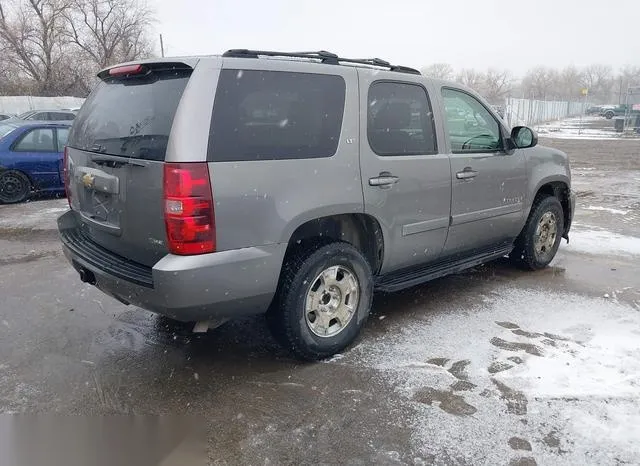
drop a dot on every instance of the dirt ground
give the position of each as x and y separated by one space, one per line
492 366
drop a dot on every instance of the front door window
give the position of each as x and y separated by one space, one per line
470 126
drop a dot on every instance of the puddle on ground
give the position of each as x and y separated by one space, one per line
447 401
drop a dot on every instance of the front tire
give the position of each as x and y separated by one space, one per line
324 298
14 187
540 239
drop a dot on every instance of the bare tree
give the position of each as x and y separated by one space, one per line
628 76
32 40
439 71
598 79
471 78
569 83
497 84
541 83
110 31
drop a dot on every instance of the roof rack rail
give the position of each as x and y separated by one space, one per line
322 55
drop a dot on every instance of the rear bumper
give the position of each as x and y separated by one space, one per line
187 288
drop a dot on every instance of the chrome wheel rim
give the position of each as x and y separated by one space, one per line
546 234
331 301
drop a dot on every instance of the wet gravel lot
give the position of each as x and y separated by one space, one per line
492 366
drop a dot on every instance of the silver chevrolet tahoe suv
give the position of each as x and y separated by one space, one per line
296 184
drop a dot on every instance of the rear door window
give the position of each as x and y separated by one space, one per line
400 120
36 140
274 115
130 117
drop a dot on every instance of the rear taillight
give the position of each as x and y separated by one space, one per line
188 209
65 174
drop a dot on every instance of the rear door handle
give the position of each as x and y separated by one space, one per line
385 179
466 174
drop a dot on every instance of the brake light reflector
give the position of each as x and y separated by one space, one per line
127 69
188 209
65 175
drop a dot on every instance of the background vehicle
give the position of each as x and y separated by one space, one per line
297 187
5 116
618 110
47 115
593 110
30 159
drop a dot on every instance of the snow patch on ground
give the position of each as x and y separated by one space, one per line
604 365
607 209
577 128
37 215
564 376
602 242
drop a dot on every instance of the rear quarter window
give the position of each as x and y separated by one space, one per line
275 115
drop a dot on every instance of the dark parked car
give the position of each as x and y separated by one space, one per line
5 116
47 115
31 159
594 110
618 110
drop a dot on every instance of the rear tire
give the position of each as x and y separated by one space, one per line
540 238
14 187
323 300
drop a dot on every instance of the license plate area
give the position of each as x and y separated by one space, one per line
100 196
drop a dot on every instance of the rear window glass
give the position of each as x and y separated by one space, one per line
130 117
270 115
63 116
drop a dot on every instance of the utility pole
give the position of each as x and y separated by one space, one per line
620 92
161 46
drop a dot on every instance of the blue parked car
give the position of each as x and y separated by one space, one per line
31 156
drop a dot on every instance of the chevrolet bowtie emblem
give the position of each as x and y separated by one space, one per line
87 180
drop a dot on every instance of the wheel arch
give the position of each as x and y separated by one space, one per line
363 231
557 187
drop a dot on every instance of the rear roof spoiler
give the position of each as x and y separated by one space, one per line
149 65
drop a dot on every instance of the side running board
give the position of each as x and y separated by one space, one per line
406 278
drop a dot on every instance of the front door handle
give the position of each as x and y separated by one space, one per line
466 174
385 179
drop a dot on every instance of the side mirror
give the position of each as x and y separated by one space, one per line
523 137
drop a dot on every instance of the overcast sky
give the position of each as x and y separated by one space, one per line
465 33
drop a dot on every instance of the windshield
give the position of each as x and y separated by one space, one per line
130 118
6 129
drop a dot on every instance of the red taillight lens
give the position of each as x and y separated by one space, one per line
188 209
65 174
